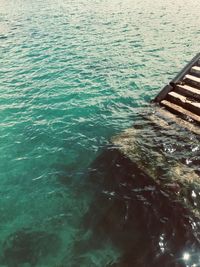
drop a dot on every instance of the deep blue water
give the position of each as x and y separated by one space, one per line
72 75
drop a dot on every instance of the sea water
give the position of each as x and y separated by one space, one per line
72 75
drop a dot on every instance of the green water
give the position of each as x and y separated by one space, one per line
73 74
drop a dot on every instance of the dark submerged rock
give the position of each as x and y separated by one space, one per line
27 246
146 221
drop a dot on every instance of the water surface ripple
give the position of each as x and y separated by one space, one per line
72 75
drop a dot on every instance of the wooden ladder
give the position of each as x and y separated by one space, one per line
182 95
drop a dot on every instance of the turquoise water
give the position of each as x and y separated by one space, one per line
72 75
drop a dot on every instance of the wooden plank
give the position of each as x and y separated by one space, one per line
184 102
192 80
184 99
180 110
167 115
187 90
195 70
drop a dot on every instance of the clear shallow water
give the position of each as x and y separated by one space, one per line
72 75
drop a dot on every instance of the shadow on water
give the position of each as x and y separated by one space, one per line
148 223
26 247
144 221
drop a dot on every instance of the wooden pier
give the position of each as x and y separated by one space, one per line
182 95
173 116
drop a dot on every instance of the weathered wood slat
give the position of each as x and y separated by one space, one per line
195 70
182 95
193 80
180 110
187 90
184 102
168 116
